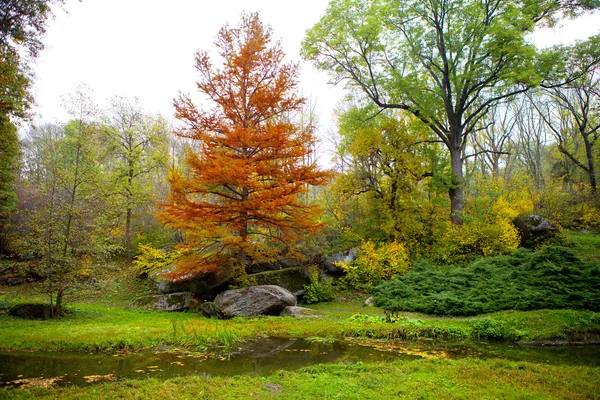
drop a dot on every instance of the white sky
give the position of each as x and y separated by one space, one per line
146 48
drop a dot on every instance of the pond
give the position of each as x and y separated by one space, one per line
261 357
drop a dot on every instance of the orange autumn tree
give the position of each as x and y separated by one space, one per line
240 201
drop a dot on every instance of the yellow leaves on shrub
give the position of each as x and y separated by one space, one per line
488 228
375 264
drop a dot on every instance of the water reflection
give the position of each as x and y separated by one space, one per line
261 357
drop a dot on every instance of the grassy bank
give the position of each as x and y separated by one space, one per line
104 328
418 379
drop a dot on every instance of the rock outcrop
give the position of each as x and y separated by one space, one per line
534 230
168 302
342 256
254 300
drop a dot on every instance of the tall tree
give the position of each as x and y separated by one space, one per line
242 195
444 61
139 143
9 155
62 173
572 112
22 26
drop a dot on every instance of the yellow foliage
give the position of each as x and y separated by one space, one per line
376 264
488 228
151 260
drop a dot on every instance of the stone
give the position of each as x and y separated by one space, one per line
370 302
340 257
168 302
33 311
298 312
254 300
534 230
209 309
293 279
205 285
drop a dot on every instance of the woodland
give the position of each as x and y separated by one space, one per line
455 126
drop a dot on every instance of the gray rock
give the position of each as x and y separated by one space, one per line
33 311
254 300
370 302
209 309
343 256
534 230
168 302
205 285
295 311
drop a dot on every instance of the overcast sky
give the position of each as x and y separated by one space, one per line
146 48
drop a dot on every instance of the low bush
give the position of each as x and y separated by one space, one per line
552 278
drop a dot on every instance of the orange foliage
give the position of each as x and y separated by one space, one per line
242 192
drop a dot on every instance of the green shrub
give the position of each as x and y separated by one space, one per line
318 290
491 329
552 278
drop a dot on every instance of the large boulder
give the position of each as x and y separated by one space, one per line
534 230
168 302
347 256
254 300
205 285
292 279
33 311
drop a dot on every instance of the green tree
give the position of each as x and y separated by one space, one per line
63 173
9 156
139 145
389 159
22 27
571 112
444 61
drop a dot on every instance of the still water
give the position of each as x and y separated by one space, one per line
261 357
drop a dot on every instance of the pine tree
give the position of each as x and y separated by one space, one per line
241 201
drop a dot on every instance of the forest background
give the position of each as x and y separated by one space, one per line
419 173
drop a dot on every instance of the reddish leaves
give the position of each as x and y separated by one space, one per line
241 197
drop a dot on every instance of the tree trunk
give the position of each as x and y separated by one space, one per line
242 258
59 300
591 170
456 190
129 210
128 235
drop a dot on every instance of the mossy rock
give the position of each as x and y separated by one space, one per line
293 279
534 231
34 311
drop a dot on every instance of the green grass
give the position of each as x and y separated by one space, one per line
418 379
585 245
109 328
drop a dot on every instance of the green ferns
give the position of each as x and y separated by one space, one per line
552 278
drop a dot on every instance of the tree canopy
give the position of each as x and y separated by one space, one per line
445 62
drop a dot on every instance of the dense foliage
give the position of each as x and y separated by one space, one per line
375 264
552 278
